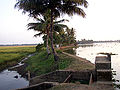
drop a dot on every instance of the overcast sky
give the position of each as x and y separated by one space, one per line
101 22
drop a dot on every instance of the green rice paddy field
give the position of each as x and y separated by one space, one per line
10 55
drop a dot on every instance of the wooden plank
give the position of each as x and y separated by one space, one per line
66 80
91 79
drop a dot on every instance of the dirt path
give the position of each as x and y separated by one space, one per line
78 58
79 63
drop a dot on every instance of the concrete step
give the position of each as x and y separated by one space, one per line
103 85
102 63
103 59
104 70
105 82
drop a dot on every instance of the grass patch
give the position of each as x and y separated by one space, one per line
65 61
70 50
79 64
38 65
10 55
17 49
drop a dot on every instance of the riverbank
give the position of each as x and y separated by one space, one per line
38 65
79 63
66 62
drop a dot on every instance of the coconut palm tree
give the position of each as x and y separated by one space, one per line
70 36
42 26
56 7
65 37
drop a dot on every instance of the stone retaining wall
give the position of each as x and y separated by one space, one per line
61 75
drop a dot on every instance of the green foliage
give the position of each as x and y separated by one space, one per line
40 47
64 61
39 65
38 7
59 51
71 51
65 37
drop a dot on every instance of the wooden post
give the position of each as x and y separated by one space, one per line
91 79
29 76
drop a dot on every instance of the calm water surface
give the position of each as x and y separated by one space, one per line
8 82
91 51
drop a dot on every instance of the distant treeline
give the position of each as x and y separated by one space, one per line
18 45
83 41
106 41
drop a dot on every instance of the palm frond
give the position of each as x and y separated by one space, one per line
59 27
78 2
39 7
39 34
35 26
71 10
33 7
60 21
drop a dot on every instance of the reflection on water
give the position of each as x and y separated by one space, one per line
12 79
9 82
90 52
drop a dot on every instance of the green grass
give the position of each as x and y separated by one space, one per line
10 55
17 49
65 61
39 65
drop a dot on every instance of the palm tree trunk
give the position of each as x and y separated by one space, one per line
48 49
51 38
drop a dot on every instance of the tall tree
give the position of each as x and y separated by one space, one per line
70 36
42 26
65 37
57 7
58 29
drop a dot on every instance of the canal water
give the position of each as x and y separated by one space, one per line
90 51
11 80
